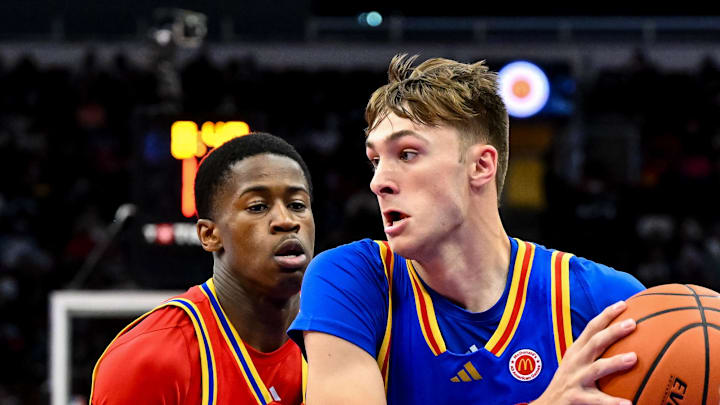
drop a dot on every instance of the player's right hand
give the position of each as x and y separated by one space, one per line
574 381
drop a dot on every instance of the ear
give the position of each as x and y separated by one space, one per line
482 164
209 235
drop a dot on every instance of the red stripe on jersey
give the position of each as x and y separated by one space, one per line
559 303
389 263
386 361
518 300
425 320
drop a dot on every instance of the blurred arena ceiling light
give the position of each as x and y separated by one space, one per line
184 28
524 87
372 19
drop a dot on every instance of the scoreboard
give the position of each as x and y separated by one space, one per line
187 143
163 246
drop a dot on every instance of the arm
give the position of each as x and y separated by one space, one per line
341 373
341 323
574 381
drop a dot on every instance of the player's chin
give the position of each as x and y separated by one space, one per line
404 246
288 284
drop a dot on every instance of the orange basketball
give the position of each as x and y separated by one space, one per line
677 341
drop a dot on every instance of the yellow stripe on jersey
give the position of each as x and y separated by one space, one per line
426 313
560 292
207 360
516 299
209 374
383 359
566 298
237 348
304 378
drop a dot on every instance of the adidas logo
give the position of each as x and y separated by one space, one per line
274 394
467 373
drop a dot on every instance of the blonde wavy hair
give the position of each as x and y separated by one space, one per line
442 91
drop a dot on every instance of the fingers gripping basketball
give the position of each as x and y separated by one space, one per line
677 341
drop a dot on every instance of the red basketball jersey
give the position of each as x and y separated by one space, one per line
186 352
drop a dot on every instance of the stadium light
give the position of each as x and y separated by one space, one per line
524 88
372 19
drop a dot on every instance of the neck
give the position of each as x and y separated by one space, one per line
471 267
260 321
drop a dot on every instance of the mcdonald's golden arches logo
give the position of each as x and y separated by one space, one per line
525 365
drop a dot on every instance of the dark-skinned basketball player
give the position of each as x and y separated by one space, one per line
224 342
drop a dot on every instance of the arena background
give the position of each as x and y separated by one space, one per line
622 166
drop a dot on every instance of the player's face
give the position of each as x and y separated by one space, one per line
420 183
266 225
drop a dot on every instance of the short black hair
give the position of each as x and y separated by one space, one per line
213 170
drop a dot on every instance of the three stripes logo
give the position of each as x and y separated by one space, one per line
467 373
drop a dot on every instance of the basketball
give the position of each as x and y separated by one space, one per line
677 341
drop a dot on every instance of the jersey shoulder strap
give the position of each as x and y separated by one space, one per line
383 358
560 293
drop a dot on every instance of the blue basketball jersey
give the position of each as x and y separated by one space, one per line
364 293
518 361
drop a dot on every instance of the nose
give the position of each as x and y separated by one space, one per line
283 220
382 182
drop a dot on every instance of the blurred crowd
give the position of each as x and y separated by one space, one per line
643 198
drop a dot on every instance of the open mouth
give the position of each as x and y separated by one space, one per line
393 217
290 254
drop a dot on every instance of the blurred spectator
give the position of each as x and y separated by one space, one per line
70 154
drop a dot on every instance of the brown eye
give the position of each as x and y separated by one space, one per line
257 208
297 206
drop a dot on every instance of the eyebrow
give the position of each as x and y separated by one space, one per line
397 135
264 189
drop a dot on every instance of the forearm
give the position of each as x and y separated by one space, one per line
341 373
